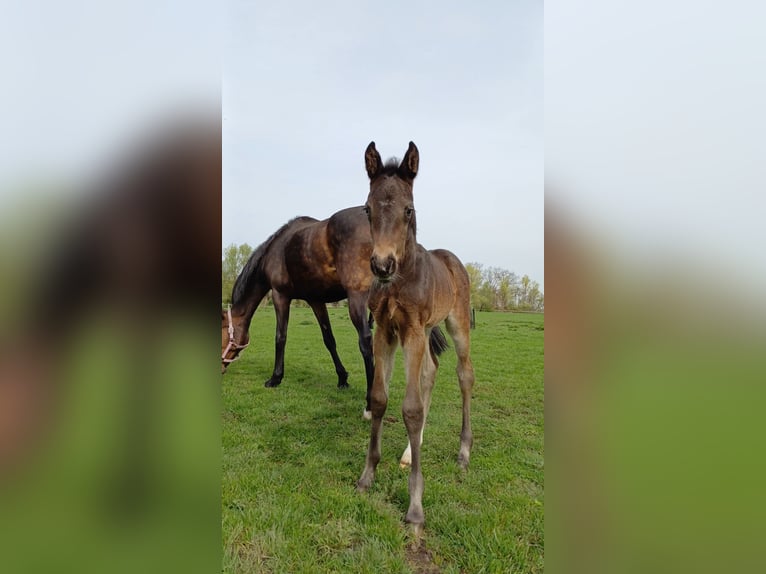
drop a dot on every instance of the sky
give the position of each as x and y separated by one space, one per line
305 88
653 133
85 80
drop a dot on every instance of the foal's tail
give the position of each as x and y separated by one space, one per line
438 341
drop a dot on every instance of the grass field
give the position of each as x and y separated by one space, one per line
292 455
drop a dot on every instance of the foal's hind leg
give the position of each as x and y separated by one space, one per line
458 326
320 312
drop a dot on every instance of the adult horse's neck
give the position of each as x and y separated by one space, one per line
242 311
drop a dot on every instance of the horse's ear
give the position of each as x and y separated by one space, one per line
372 160
409 166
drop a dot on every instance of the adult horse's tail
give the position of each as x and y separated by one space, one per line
438 342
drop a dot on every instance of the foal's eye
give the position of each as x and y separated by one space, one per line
408 212
367 211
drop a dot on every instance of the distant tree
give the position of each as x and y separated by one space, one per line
524 286
234 259
504 284
485 297
530 297
494 288
475 275
536 300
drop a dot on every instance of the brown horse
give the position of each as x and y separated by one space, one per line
316 261
319 262
414 291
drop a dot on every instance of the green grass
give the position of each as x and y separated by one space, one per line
292 455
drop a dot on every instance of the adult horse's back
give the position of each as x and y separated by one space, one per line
317 261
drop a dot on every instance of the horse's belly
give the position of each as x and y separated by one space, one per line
328 294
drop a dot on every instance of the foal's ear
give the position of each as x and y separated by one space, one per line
409 166
372 160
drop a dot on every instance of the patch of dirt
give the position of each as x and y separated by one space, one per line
420 559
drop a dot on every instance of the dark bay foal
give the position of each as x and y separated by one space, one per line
414 290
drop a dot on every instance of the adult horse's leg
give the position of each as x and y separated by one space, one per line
415 346
320 312
282 309
385 352
357 310
427 379
458 326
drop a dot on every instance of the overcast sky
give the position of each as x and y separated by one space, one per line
307 86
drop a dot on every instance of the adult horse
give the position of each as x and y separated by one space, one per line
414 290
316 261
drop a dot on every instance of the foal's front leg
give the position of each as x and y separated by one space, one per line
415 349
427 379
385 350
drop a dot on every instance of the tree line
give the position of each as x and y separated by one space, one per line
496 289
492 288
234 259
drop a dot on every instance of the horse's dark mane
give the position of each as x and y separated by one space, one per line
391 167
244 282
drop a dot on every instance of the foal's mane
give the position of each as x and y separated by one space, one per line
247 277
391 166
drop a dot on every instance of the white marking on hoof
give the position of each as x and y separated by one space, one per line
406 459
367 415
464 457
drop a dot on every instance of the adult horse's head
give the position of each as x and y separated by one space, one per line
230 347
390 209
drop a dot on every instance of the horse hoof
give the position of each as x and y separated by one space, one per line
416 530
342 385
367 415
271 383
406 459
415 521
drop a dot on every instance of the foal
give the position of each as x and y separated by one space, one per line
414 290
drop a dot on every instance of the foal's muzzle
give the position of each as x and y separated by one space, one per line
383 267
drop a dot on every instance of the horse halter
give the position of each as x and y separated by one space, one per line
233 345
